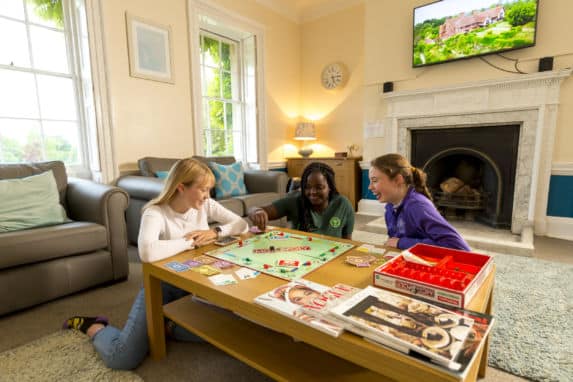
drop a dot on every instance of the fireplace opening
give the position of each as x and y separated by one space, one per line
465 184
471 170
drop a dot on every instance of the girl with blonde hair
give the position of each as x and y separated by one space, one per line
411 217
176 221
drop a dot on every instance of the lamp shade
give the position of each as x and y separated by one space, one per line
305 131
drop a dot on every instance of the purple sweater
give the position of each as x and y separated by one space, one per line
416 220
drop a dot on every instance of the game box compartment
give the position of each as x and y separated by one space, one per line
453 279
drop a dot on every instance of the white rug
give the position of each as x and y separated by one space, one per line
66 355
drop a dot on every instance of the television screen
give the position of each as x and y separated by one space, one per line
455 29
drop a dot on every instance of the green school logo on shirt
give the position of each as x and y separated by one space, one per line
334 222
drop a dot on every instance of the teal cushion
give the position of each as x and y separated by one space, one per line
30 202
161 174
229 180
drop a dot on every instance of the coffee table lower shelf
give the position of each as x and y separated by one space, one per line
274 354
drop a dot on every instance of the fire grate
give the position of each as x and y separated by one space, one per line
461 201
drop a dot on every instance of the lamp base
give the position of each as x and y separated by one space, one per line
306 152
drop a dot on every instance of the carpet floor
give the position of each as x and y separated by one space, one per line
65 355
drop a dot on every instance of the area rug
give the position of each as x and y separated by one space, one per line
66 355
533 336
533 299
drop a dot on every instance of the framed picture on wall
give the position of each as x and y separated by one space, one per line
149 46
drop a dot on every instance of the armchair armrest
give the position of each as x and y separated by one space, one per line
258 181
105 205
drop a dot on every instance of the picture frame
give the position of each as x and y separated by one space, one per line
149 47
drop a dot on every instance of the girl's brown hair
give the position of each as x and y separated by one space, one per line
185 171
394 164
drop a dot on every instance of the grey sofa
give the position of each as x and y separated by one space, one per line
263 187
41 264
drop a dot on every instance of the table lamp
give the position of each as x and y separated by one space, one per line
305 132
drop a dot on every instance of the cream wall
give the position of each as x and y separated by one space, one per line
148 117
154 118
388 43
337 37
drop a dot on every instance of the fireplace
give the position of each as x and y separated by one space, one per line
471 170
502 129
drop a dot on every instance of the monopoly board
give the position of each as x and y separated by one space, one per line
282 254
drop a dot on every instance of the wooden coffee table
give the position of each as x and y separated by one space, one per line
291 350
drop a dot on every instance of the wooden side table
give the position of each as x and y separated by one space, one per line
346 172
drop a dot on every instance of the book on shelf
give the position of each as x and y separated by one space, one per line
289 299
406 324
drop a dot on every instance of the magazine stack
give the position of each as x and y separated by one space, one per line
407 324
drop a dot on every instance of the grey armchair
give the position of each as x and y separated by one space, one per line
41 264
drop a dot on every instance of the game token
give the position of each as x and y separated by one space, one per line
307 263
266 266
288 263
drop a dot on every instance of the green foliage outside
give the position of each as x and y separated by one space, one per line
56 148
49 10
219 110
515 31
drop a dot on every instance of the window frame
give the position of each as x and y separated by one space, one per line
73 51
240 101
218 20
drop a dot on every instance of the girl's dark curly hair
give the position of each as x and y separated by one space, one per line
304 205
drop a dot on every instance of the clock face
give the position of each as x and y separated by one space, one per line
332 76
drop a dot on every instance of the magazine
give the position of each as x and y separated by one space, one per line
422 328
475 339
288 300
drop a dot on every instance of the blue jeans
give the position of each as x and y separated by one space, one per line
125 349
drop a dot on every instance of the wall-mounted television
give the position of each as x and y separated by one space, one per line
456 29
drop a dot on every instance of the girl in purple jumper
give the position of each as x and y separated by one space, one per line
411 217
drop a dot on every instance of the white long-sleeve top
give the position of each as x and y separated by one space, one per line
162 230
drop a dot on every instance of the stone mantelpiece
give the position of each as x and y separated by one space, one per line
530 101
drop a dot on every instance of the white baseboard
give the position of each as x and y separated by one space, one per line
559 228
371 207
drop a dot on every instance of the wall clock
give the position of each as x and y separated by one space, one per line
333 76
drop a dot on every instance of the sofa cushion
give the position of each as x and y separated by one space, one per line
30 202
234 205
257 200
148 166
229 180
21 170
141 187
41 244
161 174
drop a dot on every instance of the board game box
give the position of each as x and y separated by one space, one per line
282 254
391 318
448 276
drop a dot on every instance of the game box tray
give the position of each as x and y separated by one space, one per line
434 273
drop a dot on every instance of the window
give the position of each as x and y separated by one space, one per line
41 102
222 104
229 115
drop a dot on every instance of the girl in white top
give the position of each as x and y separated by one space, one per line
175 221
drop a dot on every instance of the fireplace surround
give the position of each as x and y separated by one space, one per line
529 102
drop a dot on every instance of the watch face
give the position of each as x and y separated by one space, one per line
332 76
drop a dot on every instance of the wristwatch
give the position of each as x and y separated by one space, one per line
217 230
